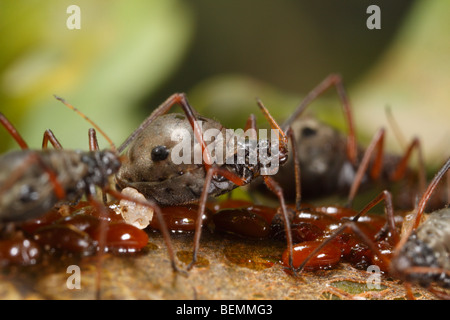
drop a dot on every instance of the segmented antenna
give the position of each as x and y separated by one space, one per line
113 147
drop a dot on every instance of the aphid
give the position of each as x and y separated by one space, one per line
151 170
420 256
332 163
32 182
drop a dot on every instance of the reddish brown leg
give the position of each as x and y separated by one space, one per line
212 171
389 212
13 131
297 170
93 142
251 123
439 293
409 293
399 172
49 136
427 270
428 192
278 191
376 146
330 81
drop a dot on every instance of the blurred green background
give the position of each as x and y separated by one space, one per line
130 56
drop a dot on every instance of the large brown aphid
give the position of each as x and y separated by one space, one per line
151 169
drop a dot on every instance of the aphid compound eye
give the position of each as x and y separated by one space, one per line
308 132
159 153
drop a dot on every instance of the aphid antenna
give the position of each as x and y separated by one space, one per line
113 147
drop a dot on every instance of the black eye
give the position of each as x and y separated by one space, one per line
308 132
159 153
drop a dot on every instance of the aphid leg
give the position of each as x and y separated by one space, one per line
93 142
13 131
49 136
297 171
336 81
212 171
274 186
278 191
399 173
439 293
400 170
409 292
251 125
427 270
389 212
162 223
376 146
